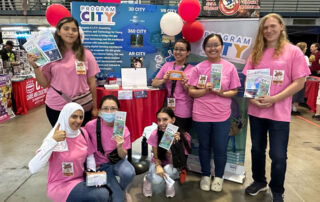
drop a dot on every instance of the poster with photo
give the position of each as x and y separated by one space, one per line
5 98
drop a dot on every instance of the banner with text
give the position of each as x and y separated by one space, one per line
238 37
231 8
5 98
125 35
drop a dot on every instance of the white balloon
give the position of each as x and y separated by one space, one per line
171 24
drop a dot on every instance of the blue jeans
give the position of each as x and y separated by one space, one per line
83 193
124 170
213 136
278 143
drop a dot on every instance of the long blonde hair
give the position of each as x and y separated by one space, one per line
260 44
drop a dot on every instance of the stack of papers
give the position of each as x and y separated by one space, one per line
111 86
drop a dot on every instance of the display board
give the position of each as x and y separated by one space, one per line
5 98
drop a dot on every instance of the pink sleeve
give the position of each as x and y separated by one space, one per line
234 81
93 67
46 70
162 71
299 65
194 77
248 66
153 139
127 140
91 149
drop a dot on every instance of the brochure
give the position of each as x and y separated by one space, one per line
119 123
202 81
168 136
140 94
258 83
216 75
48 45
30 47
96 178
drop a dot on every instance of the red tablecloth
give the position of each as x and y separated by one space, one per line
141 112
28 94
311 93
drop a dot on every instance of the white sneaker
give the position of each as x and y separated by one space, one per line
170 191
217 184
147 187
205 183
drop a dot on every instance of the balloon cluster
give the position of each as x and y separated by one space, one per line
172 23
55 13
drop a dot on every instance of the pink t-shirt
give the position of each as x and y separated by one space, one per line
153 141
184 102
107 142
59 185
211 107
293 64
63 76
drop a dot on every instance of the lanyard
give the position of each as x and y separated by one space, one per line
174 82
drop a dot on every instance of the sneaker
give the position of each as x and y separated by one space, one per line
183 175
277 197
316 117
170 192
255 188
217 184
147 187
205 183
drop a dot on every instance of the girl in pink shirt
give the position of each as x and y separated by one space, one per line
271 114
68 75
162 167
212 110
66 148
105 143
178 89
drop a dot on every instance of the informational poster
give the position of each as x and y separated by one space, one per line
125 35
231 8
5 98
35 93
238 38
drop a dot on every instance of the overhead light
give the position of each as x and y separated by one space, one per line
47 28
15 29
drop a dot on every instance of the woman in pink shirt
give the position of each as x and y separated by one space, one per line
162 166
66 148
100 131
178 89
212 110
272 113
73 75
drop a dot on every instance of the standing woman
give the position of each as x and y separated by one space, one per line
66 75
271 113
212 110
178 90
65 174
100 131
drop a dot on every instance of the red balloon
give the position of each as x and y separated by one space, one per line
192 31
189 10
55 13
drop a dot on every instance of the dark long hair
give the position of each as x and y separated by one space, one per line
162 152
109 97
77 47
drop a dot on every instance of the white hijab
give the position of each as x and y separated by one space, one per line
63 120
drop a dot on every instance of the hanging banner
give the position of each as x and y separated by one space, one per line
124 35
5 98
238 38
231 8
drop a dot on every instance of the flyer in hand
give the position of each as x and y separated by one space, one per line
258 83
30 47
168 136
96 178
48 45
119 123
216 75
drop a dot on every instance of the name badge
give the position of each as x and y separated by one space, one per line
171 103
278 77
67 169
80 67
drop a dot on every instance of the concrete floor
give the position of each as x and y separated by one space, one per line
21 136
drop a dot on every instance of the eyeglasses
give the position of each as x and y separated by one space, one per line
213 45
111 109
179 50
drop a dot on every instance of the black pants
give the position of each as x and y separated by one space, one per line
184 124
53 116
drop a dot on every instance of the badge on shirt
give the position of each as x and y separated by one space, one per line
278 77
67 169
80 67
171 103
202 81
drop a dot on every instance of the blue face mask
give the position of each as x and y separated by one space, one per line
108 117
